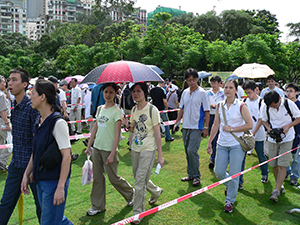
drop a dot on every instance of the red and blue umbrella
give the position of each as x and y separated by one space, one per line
122 71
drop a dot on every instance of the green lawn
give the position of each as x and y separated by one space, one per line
252 205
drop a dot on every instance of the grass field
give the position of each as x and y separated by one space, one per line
252 205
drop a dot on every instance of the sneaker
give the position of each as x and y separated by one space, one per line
228 207
211 164
282 190
74 157
153 200
3 167
93 212
264 179
137 221
275 195
293 182
130 203
241 187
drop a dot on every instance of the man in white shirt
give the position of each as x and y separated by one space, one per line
254 104
275 116
216 94
194 109
75 113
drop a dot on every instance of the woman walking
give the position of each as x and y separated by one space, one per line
146 140
52 184
106 135
229 151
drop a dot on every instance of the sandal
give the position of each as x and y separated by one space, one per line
196 181
187 179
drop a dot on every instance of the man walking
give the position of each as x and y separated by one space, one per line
276 118
76 99
194 109
4 124
23 118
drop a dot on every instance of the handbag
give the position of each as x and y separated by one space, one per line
52 155
247 140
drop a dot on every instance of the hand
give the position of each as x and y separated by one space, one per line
59 196
285 128
75 109
227 128
7 128
175 125
208 148
110 159
88 151
204 133
24 185
66 116
125 121
161 161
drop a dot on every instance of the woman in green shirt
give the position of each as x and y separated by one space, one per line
106 135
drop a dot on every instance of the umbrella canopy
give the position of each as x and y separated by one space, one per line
122 71
156 69
234 77
253 70
203 74
78 77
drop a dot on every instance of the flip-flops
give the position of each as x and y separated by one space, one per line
187 179
196 181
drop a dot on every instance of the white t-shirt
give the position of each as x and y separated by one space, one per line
194 106
215 98
254 109
240 93
61 134
234 119
281 118
75 94
62 95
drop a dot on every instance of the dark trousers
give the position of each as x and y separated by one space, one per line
11 194
214 142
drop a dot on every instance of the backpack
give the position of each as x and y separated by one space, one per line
127 100
286 105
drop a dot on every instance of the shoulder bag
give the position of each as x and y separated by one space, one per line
247 140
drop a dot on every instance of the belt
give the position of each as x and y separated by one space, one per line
213 115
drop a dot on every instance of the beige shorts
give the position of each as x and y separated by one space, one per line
276 149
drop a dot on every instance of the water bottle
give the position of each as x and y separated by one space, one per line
158 167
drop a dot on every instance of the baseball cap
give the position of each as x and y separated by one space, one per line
53 79
63 82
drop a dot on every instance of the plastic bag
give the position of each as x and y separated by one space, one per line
87 172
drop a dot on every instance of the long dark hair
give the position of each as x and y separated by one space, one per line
47 88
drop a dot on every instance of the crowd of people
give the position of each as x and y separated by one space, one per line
37 116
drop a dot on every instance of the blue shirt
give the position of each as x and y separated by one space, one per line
23 117
267 89
95 93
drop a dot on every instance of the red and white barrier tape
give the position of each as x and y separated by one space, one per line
192 194
79 136
75 104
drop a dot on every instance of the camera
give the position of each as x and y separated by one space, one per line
277 134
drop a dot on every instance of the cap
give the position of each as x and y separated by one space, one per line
53 79
63 82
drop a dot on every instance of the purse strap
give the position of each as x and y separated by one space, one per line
225 120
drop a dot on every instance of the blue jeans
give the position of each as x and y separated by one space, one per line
214 141
164 117
191 140
11 194
233 156
294 170
52 214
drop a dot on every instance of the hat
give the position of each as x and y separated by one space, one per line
63 82
53 79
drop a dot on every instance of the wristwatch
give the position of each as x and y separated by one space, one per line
206 128
231 129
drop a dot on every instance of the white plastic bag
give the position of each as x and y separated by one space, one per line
87 172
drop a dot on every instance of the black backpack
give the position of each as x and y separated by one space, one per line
127 99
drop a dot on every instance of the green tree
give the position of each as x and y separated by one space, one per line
294 30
